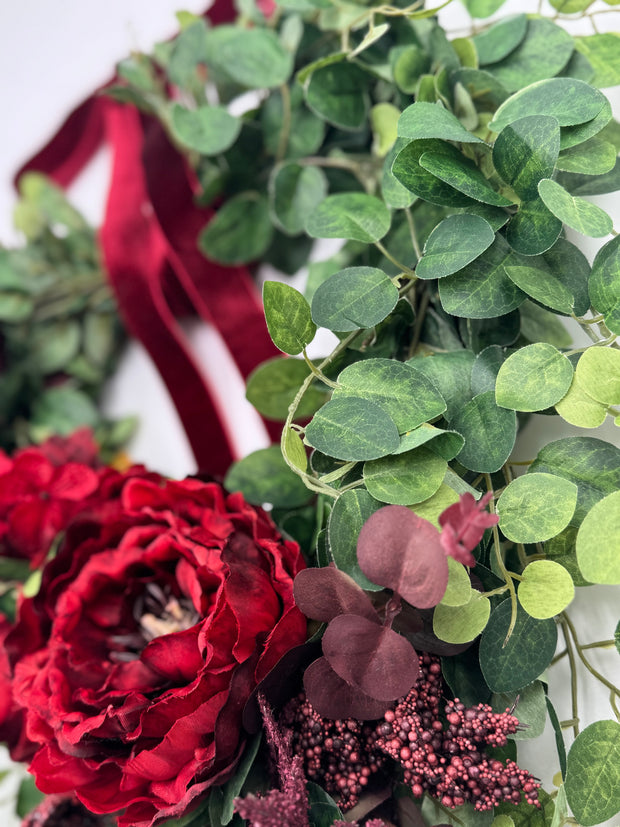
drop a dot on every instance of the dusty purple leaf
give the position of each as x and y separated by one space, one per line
378 660
402 551
324 593
333 697
463 525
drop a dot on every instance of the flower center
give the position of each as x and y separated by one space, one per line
157 612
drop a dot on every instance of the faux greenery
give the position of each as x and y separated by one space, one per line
452 169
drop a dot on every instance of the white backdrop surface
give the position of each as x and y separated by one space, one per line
53 53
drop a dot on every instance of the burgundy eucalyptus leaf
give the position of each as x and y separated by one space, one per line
333 697
381 662
325 593
463 525
402 551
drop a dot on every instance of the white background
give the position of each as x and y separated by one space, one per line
53 53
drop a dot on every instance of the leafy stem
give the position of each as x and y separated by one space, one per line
502 567
317 372
403 267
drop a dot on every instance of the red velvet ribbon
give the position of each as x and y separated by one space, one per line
149 248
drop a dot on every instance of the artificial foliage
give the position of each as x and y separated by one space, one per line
413 577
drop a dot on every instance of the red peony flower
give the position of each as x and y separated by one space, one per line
166 604
41 488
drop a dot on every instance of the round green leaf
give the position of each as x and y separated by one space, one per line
338 93
431 120
546 589
351 215
577 213
500 39
489 432
264 477
569 265
208 129
55 345
453 168
594 157
294 192
529 707
543 286
483 8
394 193
350 512
573 135
294 449
533 230
601 50
525 151
598 541
405 479
408 172
513 664
60 410
536 507
251 57
15 307
407 395
460 624
568 100
533 378
482 290
411 62
273 385
288 317
352 429
598 373
604 284
354 297
431 508
445 443
593 773
544 51
485 369
450 372
240 231
453 244
458 590
578 408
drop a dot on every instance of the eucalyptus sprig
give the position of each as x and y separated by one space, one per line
456 171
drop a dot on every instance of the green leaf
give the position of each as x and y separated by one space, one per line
305 132
450 373
482 87
254 58
288 317
407 395
55 345
485 369
431 120
603 52
460 624
577 213
233 787
28 796
445 443
593 157
559 737
578 67
593 773
533 378
593 465
294 449
294 193
572 135
483 8
384 121
489 432
525 151
408 172
529 815
458 591
568 264
323 809
353 429
546 589
545 51
598 541
451 167
188 51
15 307
264 477
568 100
61 410
406 478
395 194
338 93
482 290
350 512
410 62
525 655
356 297
598 373
430 509
273 385
534 229
536 507
530 709
240 231
604 284
351 215
570 6
543 286
500 39
578 408
208 129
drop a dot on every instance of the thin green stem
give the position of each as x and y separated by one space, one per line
419 322
403 267
338 473
285 131
318 373
500 564
573 675
413 234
